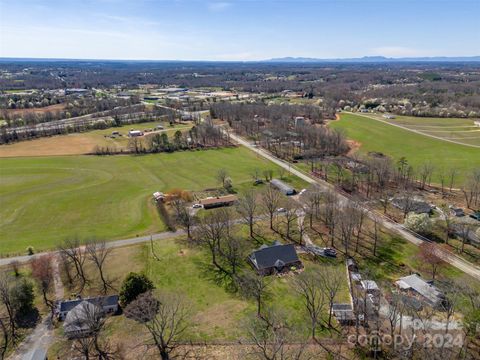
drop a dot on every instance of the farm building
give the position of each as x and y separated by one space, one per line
109 304
219 201
278 258
415 286
282 187
135 133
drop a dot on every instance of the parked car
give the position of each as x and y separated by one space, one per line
303 191
281 210
476 215
329 252
197 206
314 250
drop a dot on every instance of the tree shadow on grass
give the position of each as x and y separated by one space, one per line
209 272
390 258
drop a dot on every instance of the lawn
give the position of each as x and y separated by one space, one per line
46 199
418 149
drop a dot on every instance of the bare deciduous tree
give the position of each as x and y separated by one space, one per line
184 217
43 274
271 337
222 176
7 301
5 339
254 286
165 318
247 208
98 252
71 250
331 279
428 254
271 201
309 287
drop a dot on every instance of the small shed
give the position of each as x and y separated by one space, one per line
282 187
135 133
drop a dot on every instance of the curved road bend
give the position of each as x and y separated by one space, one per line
448 257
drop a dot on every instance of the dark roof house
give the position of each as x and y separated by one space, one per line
275 259
109 304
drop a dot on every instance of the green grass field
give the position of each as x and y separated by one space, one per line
46 199
460 130
418 149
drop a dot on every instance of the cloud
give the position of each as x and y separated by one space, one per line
400 51
218 6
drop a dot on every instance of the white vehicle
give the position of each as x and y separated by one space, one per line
281 210
303 191
197 206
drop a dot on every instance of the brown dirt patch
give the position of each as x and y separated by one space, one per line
52 108
220 315
73 144
354 146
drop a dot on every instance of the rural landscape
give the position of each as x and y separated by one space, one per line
272 209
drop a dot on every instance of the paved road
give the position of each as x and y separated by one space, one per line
416 239
415 131
111 244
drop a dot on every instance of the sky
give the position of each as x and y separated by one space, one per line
237 30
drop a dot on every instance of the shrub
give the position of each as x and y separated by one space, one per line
30 250
22 297
134 285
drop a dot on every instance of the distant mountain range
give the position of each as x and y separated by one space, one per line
377 59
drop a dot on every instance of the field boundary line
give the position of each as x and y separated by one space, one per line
414 131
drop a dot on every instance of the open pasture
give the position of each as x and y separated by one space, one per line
460 130
396 142
46 199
